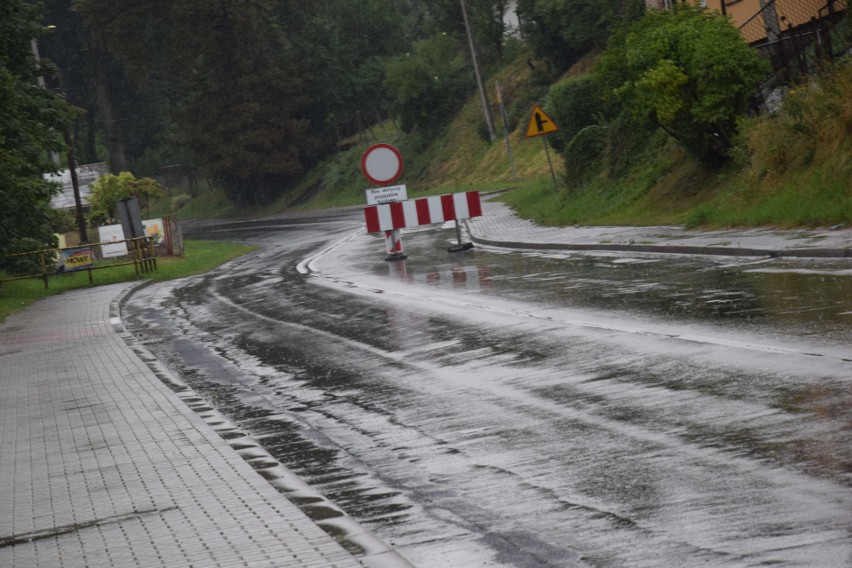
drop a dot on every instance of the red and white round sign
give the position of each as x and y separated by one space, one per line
381 164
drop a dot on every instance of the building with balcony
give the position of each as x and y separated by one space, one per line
795 35
767 20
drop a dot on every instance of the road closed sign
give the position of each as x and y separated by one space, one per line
381 164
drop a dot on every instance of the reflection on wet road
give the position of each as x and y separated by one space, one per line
493 409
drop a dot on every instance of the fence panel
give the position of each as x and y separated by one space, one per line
794 35
141 254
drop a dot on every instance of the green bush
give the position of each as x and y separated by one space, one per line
178 201
26 264
428 86
627 143
62 221
573 105
583 155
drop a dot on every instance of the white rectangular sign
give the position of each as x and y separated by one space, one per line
389 194
112 233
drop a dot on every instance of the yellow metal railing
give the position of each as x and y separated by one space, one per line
141 252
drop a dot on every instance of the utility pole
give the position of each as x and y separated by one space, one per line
483 95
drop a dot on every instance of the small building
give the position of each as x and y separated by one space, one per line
768 20
794 35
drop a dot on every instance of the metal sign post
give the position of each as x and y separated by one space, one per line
540 124
549 163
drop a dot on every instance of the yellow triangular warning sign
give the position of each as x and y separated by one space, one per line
540 123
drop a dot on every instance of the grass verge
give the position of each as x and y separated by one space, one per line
200 257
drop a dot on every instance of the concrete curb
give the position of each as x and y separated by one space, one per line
667 249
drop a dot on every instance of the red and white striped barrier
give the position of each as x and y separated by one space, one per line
422 211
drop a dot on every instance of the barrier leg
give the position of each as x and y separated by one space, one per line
394 245
460 246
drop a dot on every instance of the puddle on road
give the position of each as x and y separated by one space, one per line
802 297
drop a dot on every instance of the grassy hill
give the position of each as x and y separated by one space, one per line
793 168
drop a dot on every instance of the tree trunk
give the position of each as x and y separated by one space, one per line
115 147
75 183
90 150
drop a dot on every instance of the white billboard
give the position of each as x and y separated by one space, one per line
86 176
112 234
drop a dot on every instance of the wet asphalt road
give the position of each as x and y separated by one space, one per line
509 409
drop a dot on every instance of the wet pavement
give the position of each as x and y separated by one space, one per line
106 460
535 408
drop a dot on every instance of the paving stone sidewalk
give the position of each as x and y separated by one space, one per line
499 226
102 465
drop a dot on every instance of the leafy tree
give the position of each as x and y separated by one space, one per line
256 90
124 114
30 118
110 188
345 46
562 31
238 90
238 109
429 84
687 71
259 91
